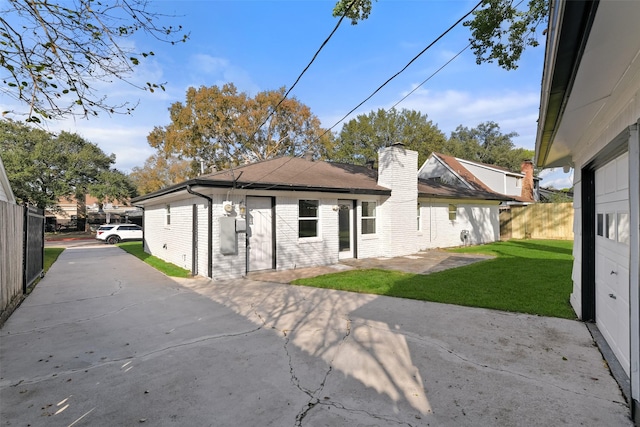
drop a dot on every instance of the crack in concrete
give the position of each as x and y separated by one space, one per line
313 394
387 420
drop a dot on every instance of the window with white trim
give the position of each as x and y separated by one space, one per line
453 212
307 218
369 217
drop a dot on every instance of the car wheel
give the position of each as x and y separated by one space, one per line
112 240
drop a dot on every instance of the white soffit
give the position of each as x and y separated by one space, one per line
608 77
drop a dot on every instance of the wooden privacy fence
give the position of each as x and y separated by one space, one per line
21 253
537 221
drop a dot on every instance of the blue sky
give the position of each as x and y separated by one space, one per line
262 45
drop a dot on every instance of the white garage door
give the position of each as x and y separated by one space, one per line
612 256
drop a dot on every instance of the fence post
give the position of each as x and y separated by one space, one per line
25 251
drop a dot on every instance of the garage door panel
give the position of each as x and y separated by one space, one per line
610 175
622 283
600 181
612 256
622 172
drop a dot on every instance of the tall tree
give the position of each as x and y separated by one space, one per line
500 30
161 171
487 144
43 168
53 52
224 127
362 137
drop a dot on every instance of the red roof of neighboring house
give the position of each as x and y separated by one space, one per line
435 188
463 172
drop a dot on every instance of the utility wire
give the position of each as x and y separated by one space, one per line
384 84
353 2
431 76
404 68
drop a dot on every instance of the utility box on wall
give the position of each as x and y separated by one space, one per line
241 226
228 236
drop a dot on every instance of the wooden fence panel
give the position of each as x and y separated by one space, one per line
11 253
538 221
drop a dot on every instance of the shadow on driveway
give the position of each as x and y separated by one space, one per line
105 339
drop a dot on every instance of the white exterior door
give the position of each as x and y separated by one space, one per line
260 231
612 256
345 229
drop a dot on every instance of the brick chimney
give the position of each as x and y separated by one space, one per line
398 171
527 184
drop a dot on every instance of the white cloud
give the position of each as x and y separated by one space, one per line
556 178
205 67
513 111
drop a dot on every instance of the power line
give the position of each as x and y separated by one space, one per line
432 75
353 2
404 68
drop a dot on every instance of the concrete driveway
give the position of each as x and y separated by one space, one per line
105 340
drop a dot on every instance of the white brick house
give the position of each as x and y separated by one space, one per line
6 193
289 213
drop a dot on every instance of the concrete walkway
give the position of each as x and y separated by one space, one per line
105 340
424 262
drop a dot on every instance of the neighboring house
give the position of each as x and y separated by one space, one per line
289 212
589 120
523 187
72 211
6 193
554 195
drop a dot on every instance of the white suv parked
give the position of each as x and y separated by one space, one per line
114 233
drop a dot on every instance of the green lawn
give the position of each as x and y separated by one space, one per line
135 248
50 256
527 276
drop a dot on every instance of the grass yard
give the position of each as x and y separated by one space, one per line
136 249
50 256
527 276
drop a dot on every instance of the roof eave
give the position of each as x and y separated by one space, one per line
569 27
258 186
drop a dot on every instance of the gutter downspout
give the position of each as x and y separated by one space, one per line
210 230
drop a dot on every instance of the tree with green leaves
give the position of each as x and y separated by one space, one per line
487 144
53 52
500 29
44 168
160 171
360 139
223 127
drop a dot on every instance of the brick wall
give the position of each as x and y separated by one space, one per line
438 231
397 170
293 252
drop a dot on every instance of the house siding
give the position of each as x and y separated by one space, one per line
228 266
369 245
497 181
433 168
438 231
397 226
172 242
293 252
595 139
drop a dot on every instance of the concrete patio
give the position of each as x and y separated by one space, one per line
106 340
